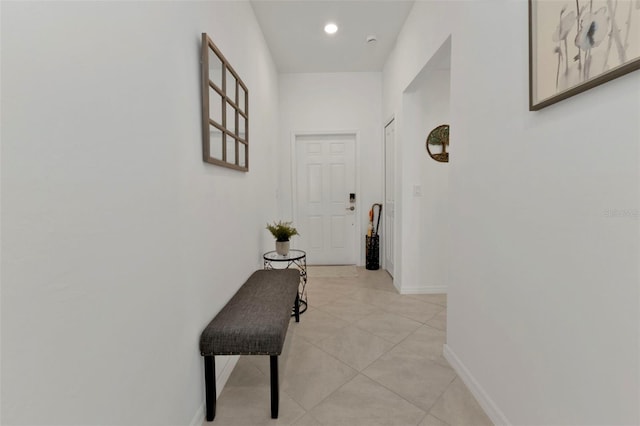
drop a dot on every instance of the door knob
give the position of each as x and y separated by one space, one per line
352 208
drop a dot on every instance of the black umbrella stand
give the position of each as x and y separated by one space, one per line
372 243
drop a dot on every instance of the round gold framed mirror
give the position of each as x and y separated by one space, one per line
438 140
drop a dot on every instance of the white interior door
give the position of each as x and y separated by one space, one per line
389 197
325 178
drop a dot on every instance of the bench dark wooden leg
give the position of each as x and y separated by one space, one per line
210 386
275 396
297 307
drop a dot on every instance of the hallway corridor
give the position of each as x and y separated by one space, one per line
361 355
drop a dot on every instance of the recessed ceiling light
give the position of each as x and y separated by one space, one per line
330 28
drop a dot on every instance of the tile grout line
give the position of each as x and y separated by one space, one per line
395 344
440 397
405 399
351 296
384 308
368 365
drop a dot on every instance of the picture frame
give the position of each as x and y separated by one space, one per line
575 45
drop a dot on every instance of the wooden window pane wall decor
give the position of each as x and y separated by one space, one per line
225 111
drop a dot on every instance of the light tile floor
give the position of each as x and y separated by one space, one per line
361 355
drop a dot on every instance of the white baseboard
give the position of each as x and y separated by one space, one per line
426 289
397 285
221 381
488 405
198 417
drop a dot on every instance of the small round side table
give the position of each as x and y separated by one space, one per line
294 259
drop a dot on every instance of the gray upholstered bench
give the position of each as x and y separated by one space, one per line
253 322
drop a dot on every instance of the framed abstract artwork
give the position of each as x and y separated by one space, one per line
575 45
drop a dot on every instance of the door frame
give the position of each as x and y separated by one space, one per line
383 151
294 183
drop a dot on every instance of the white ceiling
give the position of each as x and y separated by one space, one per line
294 30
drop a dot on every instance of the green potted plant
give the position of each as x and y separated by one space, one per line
282 232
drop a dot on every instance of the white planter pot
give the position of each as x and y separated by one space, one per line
282 248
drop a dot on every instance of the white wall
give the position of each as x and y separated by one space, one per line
425 182
334 102
118 243
544 317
